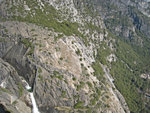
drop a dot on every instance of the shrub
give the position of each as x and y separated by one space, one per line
78 52
74 79
89 84
39 70
79 105
21 89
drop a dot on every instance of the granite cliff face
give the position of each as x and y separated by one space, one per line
124 17
65 50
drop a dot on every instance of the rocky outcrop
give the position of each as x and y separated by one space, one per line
124 17
63 82
11 90
16 57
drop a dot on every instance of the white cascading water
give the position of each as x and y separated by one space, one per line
35 108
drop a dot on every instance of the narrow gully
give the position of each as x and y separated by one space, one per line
34 105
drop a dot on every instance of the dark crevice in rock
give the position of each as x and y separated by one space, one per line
34 80
17 58
3 109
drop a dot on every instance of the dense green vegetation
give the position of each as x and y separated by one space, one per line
133 58
49 17
79 104
98 71
102 53
126 71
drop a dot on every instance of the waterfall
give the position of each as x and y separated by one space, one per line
35 108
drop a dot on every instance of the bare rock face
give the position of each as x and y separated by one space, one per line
16 57
11 90
27 100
